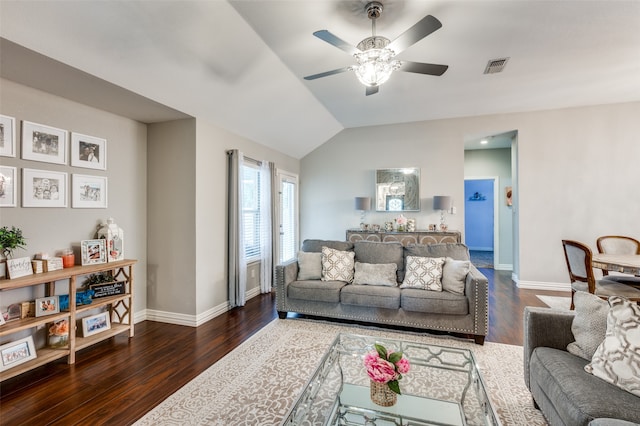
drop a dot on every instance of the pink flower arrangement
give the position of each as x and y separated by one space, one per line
401 220
386 367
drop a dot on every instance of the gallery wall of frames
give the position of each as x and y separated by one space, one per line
49 188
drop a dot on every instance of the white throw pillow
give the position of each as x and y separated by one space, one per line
337 265
617 359
375 274
454 274
424 273
589 324
309 266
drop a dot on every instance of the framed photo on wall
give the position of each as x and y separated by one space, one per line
16 353
88 151
7 136
8 186
88 192
93 251
43 143
44 188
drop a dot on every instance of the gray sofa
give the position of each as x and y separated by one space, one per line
465 314
561 389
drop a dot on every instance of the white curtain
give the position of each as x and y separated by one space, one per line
266 234
237 268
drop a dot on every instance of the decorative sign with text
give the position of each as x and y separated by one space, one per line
108 289
19 267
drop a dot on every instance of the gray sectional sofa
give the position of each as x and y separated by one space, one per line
462 311
561 389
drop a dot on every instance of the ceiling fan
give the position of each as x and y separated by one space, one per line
374 55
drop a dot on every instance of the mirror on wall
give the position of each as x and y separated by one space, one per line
398 190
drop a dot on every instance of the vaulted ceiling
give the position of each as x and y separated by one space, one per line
240 64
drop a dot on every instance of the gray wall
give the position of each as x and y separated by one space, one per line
577 178
52 229
490 163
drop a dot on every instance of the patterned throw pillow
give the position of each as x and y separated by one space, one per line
617 359
424 273
589 324
375 274
337 265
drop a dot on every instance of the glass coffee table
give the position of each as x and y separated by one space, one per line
443 387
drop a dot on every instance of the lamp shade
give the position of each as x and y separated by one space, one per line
363 203
441 202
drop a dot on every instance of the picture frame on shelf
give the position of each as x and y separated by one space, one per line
8 197
44 188
93 252
7 136
48 305
17 352
44 143
88 192
20 267
95 324
88 151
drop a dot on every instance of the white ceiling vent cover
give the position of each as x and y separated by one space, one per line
495 65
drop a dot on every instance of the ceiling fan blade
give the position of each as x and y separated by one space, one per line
372 90
327 73
336 41
423 28
421 68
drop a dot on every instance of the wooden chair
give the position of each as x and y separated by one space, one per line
616 244
578 257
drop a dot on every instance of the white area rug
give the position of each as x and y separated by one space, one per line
259 381
556 302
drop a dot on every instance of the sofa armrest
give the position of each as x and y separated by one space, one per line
546 327
477 291
286 273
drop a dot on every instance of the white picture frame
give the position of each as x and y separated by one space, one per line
7 136
88 151
8 185
95 324
44 143
93 252
39 188
88 192
48 305
17 352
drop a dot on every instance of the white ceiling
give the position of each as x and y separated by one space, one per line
239 64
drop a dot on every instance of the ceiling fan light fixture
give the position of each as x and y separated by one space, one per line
375 66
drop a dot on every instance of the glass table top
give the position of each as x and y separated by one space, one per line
443 387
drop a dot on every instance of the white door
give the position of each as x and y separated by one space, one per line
288 217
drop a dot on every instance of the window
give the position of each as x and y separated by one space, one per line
251 211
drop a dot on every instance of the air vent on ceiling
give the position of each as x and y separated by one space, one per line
495 65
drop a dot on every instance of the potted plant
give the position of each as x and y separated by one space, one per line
10 239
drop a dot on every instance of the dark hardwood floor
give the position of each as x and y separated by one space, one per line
117 381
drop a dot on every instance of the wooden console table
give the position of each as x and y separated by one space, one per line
405 238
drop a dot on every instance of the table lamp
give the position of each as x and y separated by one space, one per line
442 203
363 204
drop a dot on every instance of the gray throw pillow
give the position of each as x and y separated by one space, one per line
309 266
454 275
589 324
375 274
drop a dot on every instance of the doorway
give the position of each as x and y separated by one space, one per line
480 218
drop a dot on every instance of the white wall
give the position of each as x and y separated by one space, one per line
578 177
52 229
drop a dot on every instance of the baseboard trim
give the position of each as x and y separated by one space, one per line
540 285
188 319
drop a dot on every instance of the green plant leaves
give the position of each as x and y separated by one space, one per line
394 385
